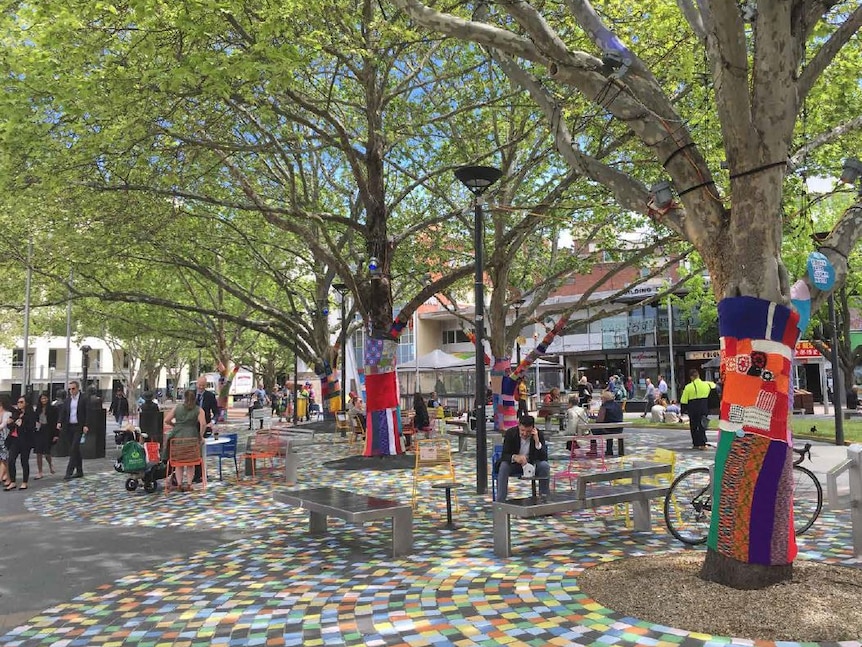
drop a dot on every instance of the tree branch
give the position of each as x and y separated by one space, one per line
827 52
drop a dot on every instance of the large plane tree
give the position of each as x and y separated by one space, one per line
720 185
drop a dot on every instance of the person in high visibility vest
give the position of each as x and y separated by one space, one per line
695 402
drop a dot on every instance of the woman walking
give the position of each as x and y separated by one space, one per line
22 429
119 407
46 433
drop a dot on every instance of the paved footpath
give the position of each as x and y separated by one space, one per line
87 563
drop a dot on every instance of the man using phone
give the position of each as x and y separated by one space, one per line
522 445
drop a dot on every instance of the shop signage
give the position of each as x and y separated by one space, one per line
805 348
702 354
644 359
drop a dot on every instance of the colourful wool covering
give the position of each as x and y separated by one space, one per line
383 413
753 483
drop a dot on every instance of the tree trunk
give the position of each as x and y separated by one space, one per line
330 384
751 540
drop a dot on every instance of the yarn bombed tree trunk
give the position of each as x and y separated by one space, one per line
751 539
383 413
504 387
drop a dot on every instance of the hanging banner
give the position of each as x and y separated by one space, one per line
820 271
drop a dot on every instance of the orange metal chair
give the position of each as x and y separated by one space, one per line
263 446
184 452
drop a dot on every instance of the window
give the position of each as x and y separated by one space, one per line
52 358
405 346
17 358
457 336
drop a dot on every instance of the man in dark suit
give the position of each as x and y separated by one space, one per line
523 444
73 422
207 401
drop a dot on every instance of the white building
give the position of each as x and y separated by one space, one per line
50 366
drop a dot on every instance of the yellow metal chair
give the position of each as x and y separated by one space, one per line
342 424
658 455
357 431
433 463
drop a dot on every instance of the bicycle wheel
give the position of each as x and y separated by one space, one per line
807 498
688 506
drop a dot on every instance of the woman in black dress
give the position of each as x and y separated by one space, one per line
22 429
46 433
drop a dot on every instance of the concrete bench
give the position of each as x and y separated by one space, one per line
592 491
324 502
462 435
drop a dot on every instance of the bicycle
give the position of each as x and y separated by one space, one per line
688 503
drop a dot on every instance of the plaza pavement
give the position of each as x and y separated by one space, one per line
87 563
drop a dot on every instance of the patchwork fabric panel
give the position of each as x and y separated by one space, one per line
752 522
383 413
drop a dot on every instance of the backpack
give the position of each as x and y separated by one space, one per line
621 394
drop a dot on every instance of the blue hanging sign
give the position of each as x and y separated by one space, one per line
820 271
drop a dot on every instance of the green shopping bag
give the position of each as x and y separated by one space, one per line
134 457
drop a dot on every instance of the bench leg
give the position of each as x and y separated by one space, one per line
317 523
642 515
402 533
621 450
502 541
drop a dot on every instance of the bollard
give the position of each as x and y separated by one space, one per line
291 459
854 453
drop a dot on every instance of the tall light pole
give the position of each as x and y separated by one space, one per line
478 179
342 289
28 282
518 305
837 376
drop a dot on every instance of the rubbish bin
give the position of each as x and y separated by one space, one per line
94 445
61 449
152 424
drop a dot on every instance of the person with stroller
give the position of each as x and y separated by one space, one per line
46 415
186 421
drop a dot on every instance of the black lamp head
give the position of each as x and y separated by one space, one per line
477 179
851 171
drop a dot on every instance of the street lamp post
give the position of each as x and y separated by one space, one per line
342 289
478 179
837 376
518 305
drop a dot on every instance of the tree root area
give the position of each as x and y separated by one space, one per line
820 603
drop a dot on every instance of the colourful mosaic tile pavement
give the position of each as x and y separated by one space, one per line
278 586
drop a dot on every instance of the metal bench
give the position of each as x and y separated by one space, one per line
354 508
602 491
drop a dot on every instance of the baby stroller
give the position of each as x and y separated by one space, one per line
141 462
